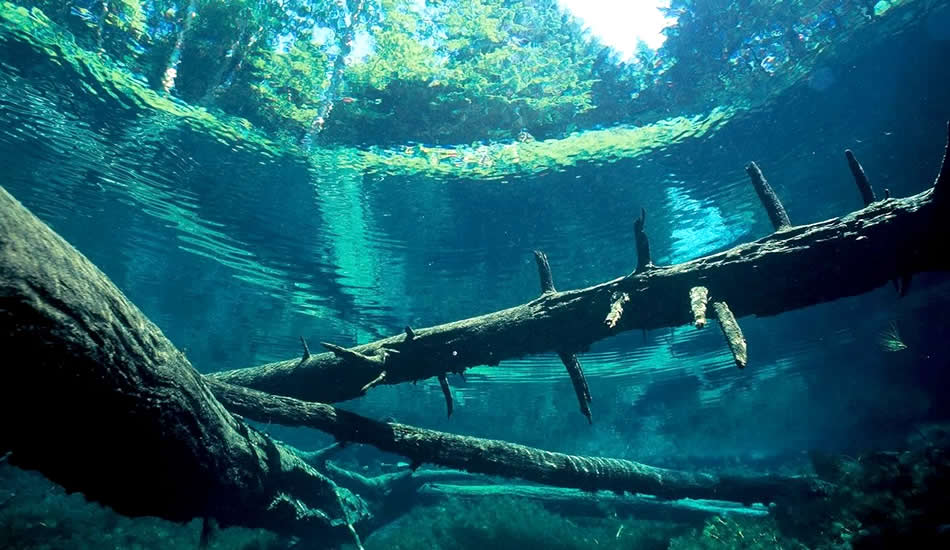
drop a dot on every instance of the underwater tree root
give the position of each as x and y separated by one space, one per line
795 267
95 375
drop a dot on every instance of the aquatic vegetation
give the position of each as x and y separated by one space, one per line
890 339
882 499
38 515
737 533
509 523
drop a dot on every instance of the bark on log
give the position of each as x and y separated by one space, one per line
393 495
579 381
94 376
698 299
732 333
494 457
794 268
573 502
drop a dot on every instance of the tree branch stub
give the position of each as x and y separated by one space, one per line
579 382
732 333
644 259
544 272
698 298
770 201
860 178
447 393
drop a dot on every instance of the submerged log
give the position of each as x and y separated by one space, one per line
794 268
573 502
501 458
144 434
394 494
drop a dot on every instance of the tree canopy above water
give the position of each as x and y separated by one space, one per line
391 73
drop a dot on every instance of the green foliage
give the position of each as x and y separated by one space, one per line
400 54
504 523
113 27
279 91
466 66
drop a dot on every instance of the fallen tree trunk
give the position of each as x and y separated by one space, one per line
393 495
501 458
795 267
398 492
572 502
101 402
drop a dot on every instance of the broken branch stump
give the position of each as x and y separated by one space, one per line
644 260
860 178
447 393
544 272
733 334
579 381
698 298
768 197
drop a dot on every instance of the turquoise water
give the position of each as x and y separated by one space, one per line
237 238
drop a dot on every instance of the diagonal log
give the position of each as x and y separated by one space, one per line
93 374
501 458
797 267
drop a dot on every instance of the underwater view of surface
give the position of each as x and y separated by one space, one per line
269 274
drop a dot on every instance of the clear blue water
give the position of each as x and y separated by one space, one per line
235 255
